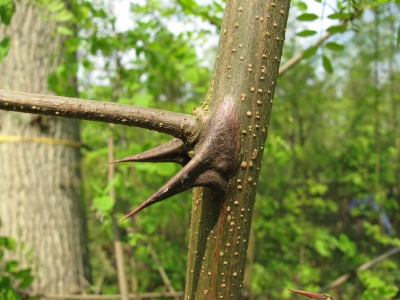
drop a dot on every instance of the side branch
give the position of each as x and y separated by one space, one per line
182 126
295 59
342 279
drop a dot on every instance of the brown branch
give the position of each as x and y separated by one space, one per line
295 59
342 279
182 126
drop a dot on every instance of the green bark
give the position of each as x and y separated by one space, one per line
246 70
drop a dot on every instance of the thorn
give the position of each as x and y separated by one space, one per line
211 167
193 174
173 151
312 295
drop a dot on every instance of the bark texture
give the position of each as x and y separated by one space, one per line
39 177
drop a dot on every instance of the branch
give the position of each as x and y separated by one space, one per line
295 59
182 126
342 279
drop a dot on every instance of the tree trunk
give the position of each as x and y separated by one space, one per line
39 175
244 80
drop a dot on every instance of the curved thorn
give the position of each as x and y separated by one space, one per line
312 295
192 175
172 151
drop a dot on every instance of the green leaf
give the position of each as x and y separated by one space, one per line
10 243
336 29
307 17
306 33
334 46
310 52
11 266
398 37
64 30
327 64
341 16
6 13
387 291
22 273
26 282
323 248
368 295
12 295
302 6
5 2
103 203
55 6
5 282
64 16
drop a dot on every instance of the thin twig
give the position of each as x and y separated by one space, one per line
183 126
295 59
342 279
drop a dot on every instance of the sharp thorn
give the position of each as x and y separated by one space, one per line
311 295
173 151
192 175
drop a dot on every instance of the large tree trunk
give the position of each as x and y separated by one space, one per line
39 174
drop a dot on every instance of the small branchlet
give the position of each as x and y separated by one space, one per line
208 162
312 295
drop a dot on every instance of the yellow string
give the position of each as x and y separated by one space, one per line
11 139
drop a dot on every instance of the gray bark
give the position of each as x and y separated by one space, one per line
39 159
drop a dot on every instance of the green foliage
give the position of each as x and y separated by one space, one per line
327 64
307 32
7 8
4 47
12 278
307 17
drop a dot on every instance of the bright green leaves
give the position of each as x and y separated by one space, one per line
11 277
324 243
307 17
376 287
302 6
336 29
334 46
7 8
103 203
63 16
306 33
347 246
7 243
339 16
327 64
64 30
211 13
4 47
